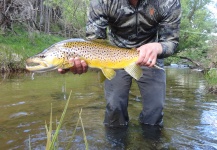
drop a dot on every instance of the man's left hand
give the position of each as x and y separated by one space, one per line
148 54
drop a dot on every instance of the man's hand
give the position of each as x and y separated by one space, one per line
148 54
79 66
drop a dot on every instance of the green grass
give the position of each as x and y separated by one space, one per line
23 45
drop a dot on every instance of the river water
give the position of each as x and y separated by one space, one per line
190 114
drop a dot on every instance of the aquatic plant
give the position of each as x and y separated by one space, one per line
52 138
52 142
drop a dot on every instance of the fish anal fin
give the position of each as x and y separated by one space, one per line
101 77
134 70
108 73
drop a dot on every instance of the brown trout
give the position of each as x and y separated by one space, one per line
97 55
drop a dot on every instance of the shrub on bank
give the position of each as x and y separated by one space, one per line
211 78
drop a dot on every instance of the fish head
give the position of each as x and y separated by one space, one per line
50 59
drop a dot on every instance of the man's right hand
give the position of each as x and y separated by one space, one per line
79 66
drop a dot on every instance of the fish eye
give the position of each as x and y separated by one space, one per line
42 56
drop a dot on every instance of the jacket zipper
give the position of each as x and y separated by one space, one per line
136 11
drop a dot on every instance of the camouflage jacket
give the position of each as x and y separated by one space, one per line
130 27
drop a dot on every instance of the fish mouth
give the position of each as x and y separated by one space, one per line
38 65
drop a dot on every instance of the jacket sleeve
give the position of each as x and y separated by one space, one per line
168 31
97 20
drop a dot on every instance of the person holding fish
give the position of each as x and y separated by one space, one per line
150 27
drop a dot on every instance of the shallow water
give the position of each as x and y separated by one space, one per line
190 114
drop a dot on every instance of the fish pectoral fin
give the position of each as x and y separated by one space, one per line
134 70
108 73
66 64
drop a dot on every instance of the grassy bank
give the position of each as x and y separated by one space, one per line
15 48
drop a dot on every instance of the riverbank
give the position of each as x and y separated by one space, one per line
15 48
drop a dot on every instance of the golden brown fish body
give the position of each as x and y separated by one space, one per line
96 55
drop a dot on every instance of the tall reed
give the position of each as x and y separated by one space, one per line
52 139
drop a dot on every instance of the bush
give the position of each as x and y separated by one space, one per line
211 78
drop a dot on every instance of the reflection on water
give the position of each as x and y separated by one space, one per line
190 114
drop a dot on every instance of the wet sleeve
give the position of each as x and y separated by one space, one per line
168 32
97 20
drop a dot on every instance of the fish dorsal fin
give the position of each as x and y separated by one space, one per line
101 41
134 70
134 49
108 73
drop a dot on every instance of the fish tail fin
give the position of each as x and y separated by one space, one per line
134 70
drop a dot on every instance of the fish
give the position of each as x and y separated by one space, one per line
101 55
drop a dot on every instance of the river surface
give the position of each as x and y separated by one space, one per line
190 114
